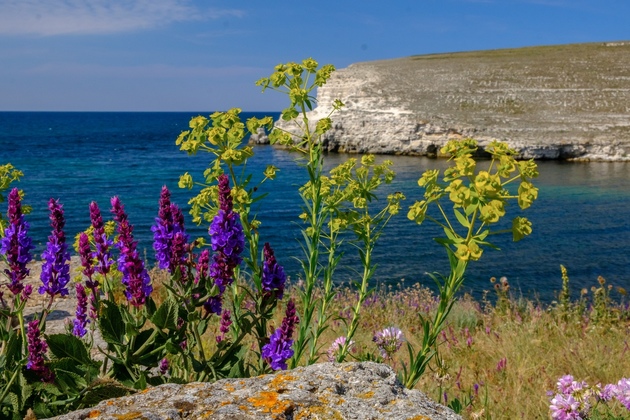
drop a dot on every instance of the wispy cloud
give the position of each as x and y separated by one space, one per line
62 17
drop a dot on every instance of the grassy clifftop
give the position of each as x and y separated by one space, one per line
576 94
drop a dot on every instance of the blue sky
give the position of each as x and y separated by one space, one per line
205 55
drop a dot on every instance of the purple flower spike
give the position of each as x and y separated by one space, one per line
56 267
170 240
226 321
81 320
135 276
273 277
278 350
227 238
202 266
103 244
36 350
16 245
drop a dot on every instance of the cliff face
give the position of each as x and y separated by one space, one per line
554 102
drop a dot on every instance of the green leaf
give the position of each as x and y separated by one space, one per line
111 324
461 218
69 346
166 315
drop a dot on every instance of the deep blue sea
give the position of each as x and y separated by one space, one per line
581 219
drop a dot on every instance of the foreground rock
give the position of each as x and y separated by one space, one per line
322 391
555 102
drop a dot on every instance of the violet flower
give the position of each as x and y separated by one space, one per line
336 346
389 341
273 276
101 241
622 392
85 252
16 245
81 314
163 366
202 266
227 239
502 364
565 407
36 350
226 321
278 350
55 273
135 276
170 239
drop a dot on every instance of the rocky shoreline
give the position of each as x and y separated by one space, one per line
568 102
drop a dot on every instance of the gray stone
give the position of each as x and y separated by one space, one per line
322 391
555 102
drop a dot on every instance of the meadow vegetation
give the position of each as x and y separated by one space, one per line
221 306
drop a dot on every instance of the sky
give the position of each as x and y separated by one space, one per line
205 55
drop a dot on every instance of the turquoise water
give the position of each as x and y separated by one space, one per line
581 220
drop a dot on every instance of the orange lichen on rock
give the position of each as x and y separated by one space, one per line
269 403
420 417
366 395
279 380
229 387
94 414
129 416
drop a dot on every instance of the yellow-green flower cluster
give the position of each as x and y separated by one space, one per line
477 195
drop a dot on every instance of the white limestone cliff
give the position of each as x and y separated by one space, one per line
560 102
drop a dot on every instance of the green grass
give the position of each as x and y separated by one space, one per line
586 336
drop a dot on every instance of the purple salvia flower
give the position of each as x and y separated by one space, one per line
273 276
56 267
135 276
278 350
389 341
226 321
101 242
85 252
170 239
16 245
227 239
213 305
81 315
202 266
26 292
36 350
163 366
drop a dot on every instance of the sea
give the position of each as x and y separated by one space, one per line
580 220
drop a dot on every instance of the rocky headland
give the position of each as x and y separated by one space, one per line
567 102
